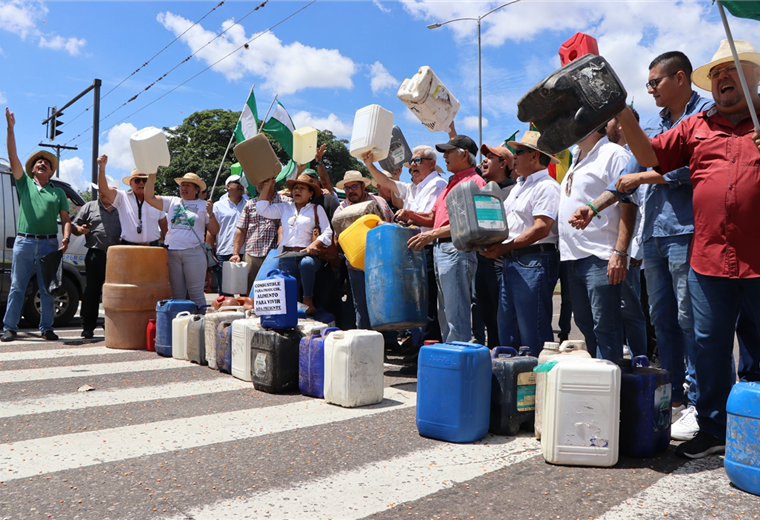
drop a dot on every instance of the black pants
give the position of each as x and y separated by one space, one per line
95 262
432 331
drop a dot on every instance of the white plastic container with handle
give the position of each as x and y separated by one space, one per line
179 334
428 99
235 278
373 128
149 149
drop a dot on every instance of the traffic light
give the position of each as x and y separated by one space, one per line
54 123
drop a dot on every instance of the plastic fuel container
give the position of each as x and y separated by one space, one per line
399 152
151 335
348 215
645 408
581 420
428 99
476 215
372 130
551 350
398 278
454 391
235 278
513 390
573 102
578 45
276 300
224 347
242 336
311 363
210 323
353 240
274 361
196 340
257 158
166 311
179 334
354 368
742 460
149 149
304 144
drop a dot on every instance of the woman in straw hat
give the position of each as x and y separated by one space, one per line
188 217
304 227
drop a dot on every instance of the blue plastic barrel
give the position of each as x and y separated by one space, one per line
513 390
453 391
311 364
396 279
289 318
224 347
645 408
166 310
742 461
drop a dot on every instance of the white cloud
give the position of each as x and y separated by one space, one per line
287 68
3 98
72 171
381 79
381 6
331 123
71 45
118 150
471 122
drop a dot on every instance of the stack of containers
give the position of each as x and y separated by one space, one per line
354 368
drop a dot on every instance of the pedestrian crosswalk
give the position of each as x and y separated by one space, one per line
164 438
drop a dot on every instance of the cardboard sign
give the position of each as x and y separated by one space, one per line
269 297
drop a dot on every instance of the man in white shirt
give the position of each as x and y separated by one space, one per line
227 212
141 224
597 258
531 260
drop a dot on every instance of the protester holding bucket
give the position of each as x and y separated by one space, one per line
304 227
188 218
227 211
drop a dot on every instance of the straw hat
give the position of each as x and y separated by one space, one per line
530 140
352 176
135 173
307 180
744 49
193 178
40 154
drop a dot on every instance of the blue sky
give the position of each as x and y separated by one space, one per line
324 62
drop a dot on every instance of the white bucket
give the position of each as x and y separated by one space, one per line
354 368
428 99
235 278
372 130
179 334
304 144
242 334
149 149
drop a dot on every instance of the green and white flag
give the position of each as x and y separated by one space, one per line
247 125
281 127
743 9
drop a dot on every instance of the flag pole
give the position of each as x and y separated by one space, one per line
738 64
268 110
224 157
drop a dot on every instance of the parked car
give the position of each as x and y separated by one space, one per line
68 296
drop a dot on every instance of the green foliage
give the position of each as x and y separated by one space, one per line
86 195
337 158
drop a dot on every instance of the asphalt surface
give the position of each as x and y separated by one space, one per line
164 438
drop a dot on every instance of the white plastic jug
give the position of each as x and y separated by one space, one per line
428 99
235 278
304 144
373 128
179 334
149 149
210 322
581 414
242 334
354 368
569 348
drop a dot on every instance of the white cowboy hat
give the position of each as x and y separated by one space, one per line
192 178
530 140
352 176
745 50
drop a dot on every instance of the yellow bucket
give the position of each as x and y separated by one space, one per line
353 240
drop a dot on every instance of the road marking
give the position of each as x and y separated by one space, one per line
34 355
98 369
379 486
64 452
703 481
81 400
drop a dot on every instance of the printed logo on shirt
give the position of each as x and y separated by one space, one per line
183 216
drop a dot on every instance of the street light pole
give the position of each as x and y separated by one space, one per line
480 78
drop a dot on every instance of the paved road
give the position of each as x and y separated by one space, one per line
163 438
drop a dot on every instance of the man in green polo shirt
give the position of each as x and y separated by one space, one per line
40 204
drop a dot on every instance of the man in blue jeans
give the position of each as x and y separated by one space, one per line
667 234
40 204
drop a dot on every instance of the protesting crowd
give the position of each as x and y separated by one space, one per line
650 232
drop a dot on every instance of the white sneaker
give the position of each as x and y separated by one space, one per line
675 412
686 427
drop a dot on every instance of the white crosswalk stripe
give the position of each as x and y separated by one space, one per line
98 369
78 351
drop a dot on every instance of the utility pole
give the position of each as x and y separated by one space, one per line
58 148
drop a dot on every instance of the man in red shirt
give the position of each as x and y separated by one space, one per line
723 154
454 269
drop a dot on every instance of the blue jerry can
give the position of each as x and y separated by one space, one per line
166 310
454 391
224 347
396 279
275 286
742 461
645 408
311 364
513 390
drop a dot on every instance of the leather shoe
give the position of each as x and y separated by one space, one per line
49 335
87 334
8 335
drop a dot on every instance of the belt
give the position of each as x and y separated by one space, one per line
38 237
443 240
128 243
536 248
287 248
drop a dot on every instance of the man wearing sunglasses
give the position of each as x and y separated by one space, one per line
141 224
722 149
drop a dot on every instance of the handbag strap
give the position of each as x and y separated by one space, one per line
316 220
